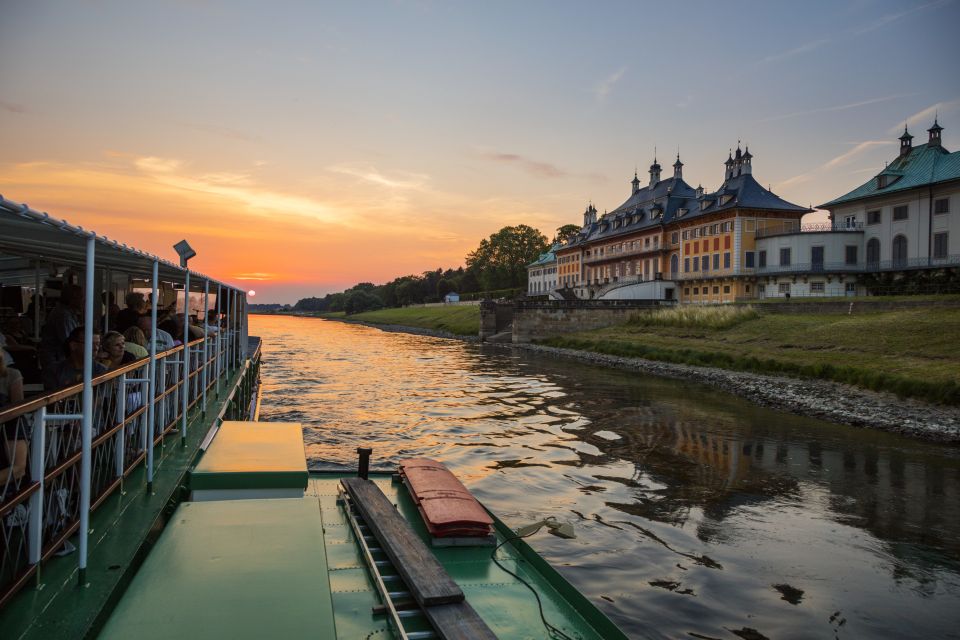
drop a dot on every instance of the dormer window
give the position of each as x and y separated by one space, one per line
881 181
681 213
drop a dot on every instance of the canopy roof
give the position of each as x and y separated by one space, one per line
30 238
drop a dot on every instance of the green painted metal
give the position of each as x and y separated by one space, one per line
253 455
123 529
231 569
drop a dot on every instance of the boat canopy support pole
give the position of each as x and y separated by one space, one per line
86 431
185 385
206 349
36 301
219 346
152 394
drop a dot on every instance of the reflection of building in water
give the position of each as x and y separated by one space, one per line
892 494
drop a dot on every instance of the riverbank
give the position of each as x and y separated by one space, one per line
823 399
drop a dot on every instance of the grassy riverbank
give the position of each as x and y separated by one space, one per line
912 352
461 320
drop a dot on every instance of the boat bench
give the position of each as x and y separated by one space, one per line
252 460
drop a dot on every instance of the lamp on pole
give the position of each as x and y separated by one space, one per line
185 251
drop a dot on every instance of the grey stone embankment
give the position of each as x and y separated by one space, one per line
823 399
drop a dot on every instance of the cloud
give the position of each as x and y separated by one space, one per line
534 167
893 17
253 276
804 48
12 107
408 181
924 117
842 107
605 86
844 158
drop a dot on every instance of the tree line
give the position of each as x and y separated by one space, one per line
498 267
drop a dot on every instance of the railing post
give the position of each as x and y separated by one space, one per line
152 407
218 348
86 432
186 362
38 465
206 349
122 419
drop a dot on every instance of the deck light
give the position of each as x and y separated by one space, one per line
185 252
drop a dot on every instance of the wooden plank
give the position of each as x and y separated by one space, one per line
458 621
427 580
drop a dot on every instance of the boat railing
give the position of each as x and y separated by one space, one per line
40 505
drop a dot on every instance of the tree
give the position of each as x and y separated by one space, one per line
565 232
358 301
501 260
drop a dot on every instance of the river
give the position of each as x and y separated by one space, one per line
698 514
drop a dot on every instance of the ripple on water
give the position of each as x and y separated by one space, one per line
696 513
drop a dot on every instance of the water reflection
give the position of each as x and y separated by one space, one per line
697 513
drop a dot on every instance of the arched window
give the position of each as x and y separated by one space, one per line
900 251
674 265
873 252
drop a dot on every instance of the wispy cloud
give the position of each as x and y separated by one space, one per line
405 180
924 117
841 107
803 48
12 107
531 166
253 276
884 20
605 86
860 148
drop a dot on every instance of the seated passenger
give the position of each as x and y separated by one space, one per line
13 445
135 342
164 340
61 320
70 371
136 305
114 354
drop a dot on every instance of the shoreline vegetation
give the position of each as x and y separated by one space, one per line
898 370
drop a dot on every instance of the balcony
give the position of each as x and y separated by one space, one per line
620 255
790 227
860 267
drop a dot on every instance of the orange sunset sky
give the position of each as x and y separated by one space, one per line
302 147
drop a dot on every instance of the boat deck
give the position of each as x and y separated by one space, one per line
204 578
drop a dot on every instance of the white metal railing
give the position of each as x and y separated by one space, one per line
41 508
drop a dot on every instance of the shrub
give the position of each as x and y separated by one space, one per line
700 317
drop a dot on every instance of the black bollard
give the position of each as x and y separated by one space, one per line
363 467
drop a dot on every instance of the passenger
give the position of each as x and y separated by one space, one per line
114 352
136 343
109 319
164 339
61 321
172 327
213 327
13 445
70 371
195 331
136 305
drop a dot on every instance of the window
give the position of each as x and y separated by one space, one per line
816 287
674 237
727 226
749 225
716 244
747 288
686 265
940 245
706 263
784 287
901 212
899 254
726 260
696 264
941 206
816 258
851 254
762 259
748 259
716 290
851 288
686 291
726 288
716 261
726 242
674 264
850 222
873 251
785 257
696 291
685 235
873 217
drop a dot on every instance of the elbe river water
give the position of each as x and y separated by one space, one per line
698 514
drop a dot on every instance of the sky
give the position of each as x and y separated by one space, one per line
302 147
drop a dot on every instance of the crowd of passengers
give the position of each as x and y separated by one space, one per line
56 361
